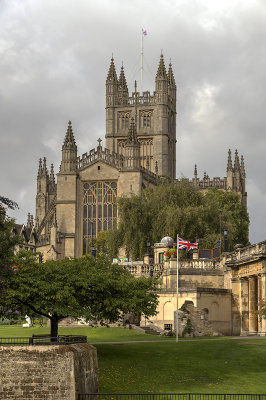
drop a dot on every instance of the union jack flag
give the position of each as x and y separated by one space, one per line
144 32
185 244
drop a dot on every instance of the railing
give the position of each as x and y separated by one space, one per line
170 396
247 252
42 340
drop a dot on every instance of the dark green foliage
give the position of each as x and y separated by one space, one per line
188 328
8 240
85 287
179 208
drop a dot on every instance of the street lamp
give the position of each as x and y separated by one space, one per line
148 247
225 240
220 212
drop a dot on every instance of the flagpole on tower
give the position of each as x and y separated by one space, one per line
177 256
143 33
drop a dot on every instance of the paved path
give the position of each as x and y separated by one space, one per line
180 340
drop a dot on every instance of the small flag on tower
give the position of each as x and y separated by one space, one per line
144 32
186 245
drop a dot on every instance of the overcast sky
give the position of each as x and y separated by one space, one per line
54 59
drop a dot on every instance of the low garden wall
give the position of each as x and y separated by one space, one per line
55 372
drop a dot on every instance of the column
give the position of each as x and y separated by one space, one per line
236 300
262 293
252 303
244 303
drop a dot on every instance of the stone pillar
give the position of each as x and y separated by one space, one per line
262 295
236 300
244 306
252 303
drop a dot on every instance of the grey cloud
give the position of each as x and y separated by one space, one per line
54 57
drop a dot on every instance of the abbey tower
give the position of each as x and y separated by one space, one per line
154 116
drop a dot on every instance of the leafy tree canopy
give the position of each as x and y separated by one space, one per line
85 287
8 240
171 209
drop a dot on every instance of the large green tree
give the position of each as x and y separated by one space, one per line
8 240
179 209
84 287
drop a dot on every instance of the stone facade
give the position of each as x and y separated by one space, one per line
80 201
48 372
226 292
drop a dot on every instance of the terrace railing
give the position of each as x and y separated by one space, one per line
42 340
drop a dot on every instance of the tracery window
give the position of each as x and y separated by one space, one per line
145 120
99 210
123 121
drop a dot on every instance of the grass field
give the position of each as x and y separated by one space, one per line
93 334
214 366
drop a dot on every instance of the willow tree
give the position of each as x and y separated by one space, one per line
179 208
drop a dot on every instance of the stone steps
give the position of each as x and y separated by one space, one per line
149 330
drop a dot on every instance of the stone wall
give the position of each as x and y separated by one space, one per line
48 372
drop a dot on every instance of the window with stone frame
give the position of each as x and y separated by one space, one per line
145 119
123 121
99 210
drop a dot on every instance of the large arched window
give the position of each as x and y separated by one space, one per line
99 210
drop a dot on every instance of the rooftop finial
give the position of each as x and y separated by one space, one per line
40 168
52 179
161 72
69 138
132 133
112 72
236 163
229 161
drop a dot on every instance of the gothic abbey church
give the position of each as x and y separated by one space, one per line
140 150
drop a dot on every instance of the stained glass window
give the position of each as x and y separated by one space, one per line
99 210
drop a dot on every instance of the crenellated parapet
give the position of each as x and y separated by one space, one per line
100 153
234 181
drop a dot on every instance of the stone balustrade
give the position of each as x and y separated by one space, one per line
246 253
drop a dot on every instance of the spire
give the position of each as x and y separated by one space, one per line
132 148
242 167
69 138
236 164
132 133
52 179
40 168
229 161
171 78
112 72
69 152
122 83
161 72
44 169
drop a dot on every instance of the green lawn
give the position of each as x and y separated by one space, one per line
93 334
224 366
215 366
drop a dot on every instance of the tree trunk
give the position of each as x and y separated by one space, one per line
54 326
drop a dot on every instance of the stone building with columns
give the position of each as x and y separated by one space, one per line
224 294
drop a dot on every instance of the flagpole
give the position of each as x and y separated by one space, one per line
141 62
177 256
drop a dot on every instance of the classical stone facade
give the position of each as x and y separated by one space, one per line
226 292
140 151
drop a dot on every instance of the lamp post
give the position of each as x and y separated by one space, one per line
220 212
225 240
148 247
